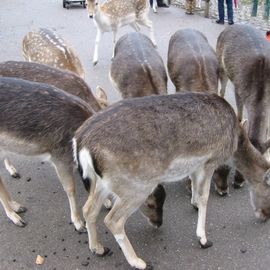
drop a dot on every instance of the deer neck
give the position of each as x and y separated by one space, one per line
249 161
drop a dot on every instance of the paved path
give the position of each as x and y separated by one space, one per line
239 241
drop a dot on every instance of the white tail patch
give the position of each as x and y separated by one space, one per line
87 165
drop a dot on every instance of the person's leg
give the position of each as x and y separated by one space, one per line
229 4
220 12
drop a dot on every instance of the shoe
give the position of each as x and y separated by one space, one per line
219 22
230 22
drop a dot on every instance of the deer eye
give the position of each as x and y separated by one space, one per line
151 206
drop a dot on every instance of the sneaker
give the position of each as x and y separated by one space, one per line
219 22
230 22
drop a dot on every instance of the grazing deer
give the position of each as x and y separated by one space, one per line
39 119
113 14
45 46
244 58
192 62
245 44
67 81
128 149
135 54
193 65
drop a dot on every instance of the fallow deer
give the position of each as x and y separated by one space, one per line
135 54
138 143
40 119
192 62
244 58
45 46
113 14
65 80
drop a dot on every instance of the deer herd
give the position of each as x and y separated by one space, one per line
149 138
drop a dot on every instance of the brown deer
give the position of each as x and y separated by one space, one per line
192 62
244 58
67 81
132 146
137 69
40 119
193 65
37 119
113 14
45 46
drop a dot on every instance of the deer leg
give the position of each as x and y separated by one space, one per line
11 207
135 26
223 81
98 37
91 210
202 178
66 177
11 169
146 22
115 221
239 105
114 41
154 6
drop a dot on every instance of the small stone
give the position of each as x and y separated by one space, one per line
88 258
19 192
85 263
85 242
243 250
54 253
14 260
63 240
39 260
77 257
28 179
33 250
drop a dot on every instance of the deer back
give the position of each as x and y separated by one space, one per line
67 81
38 115
47 47
192 62
244 56
137 69
142 137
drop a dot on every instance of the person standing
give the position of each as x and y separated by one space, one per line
229 4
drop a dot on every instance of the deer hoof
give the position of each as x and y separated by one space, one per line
148 267
95 63
16 175
107 252
22 209
206 245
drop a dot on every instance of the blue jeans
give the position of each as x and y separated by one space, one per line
229 5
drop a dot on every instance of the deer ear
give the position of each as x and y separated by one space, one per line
244 124
267 177
101 97
101 94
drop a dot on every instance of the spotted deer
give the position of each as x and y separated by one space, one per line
45 46
128 149
67 81
113 14
135 54
40 119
